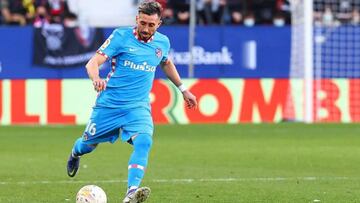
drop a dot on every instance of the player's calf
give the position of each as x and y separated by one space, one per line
139 159
80 148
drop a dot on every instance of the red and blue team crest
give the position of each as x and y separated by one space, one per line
158 52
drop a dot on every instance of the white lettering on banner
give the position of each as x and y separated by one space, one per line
143 67
68 60
223 57
249 55
228 101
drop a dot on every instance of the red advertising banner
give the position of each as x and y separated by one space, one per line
69 101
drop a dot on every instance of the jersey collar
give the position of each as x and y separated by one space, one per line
143 41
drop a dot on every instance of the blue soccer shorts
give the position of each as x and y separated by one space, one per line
105 124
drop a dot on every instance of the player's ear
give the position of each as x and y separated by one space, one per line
160 22
137 19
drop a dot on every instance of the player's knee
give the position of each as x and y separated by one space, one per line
91 146
81 147
143 142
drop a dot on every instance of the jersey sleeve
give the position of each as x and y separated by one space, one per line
112 46
166 51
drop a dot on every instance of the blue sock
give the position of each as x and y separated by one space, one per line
81 148
139 159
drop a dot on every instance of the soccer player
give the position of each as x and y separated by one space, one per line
123 100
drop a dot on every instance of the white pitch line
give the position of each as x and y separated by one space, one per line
187 180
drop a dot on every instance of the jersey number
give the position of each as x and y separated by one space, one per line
91 128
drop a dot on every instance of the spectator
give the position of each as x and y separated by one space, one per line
204 11
263 10
213 12
279 20
220 12
249 20
236 9
283 9
56 7
318 10
29 7
168 16
236 17
13 12
355 19
1 16
70 20
163 3
328 16
344 11
183 17
56 10
181 10
41 17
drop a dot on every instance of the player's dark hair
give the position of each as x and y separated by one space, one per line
150 7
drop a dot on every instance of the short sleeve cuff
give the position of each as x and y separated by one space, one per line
102 54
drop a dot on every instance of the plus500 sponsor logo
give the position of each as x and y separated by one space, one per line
143 67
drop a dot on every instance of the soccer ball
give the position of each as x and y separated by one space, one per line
91 194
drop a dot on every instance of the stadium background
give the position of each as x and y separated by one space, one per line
247 66
242 76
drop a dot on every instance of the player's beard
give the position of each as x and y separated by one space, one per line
145 36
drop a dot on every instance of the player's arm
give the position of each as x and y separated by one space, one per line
92 68
170 71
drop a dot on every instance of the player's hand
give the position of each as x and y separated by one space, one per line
190 100
99 84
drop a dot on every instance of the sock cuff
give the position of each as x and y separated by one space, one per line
133 188
136 166
73 154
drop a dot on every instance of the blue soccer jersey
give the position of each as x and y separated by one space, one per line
133 67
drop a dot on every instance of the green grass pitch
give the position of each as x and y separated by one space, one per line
277 163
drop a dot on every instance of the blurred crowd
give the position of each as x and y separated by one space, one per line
240 12
208 12
247 12
36 12
340 12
